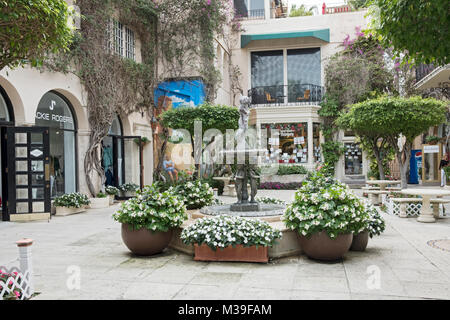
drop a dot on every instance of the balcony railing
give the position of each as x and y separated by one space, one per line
336 9
293 94
423 70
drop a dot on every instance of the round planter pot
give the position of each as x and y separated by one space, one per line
360 241
144 242
321 247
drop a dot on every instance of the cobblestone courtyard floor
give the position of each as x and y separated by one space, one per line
409 267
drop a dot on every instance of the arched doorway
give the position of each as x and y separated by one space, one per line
55 112
122 157
6 120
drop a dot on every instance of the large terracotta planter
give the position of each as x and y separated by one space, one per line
360 241
321 247
237 254
144 242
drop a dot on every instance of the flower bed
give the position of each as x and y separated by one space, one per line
280 185
71 200
229 232
269 200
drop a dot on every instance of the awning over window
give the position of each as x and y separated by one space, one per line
323 34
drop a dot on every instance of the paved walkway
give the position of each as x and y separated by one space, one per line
91 243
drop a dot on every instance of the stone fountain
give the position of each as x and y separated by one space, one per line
246 173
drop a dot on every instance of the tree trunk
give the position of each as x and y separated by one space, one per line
377 154
403 161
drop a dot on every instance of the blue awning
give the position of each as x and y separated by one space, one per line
322 34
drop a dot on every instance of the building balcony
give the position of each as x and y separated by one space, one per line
285 95
336 9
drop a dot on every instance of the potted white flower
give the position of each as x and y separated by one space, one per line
230 238
101 201
70 203
112 192
196 194
128 190
149 219
326 214
375 226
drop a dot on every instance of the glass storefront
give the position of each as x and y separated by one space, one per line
353 159
113 173
287 142
55 112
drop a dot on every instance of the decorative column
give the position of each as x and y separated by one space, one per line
26 263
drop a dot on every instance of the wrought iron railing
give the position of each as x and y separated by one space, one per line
300 93
251 15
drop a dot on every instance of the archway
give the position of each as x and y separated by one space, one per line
56 112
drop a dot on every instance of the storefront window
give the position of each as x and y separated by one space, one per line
113 171
353 159
290 144
316 142
55 112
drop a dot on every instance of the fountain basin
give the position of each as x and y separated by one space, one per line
265 210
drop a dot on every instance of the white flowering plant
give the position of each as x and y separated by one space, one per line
129 187
112 191
269 200
223 231
325 204
153 210
376 224
72 200
196 194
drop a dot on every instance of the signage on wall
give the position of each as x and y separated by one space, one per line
431 149
53 117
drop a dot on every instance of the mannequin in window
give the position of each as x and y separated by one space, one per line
170 168
108 164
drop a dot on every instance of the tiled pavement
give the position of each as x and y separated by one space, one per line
408 267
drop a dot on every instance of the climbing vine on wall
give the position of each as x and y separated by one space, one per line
177 34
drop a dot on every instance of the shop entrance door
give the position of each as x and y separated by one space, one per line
27 171
131 165
431 157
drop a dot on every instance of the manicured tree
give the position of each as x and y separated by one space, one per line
391 118
300 11
218 117
375 142
417 28
29 30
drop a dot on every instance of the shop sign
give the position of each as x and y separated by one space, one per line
431 149
53 117
287 133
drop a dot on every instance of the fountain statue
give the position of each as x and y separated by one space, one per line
246 172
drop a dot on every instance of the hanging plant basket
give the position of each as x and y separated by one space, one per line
239 253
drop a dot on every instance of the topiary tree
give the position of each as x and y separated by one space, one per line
416 28
29 30
391 118
218 117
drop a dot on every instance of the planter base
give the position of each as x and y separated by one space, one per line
63 211
144 242
99 203
360 241
236 254
320 246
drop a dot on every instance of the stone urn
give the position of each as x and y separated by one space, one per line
320 246
360 241
144 242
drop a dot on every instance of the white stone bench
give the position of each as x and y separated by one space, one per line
374 195
403 202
